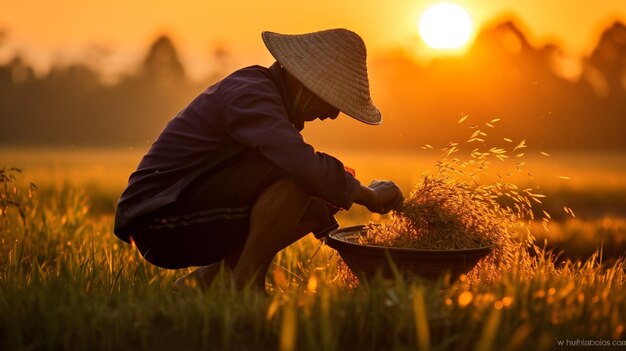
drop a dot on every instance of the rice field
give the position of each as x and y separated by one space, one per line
67 283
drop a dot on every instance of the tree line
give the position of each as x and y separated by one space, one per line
501 76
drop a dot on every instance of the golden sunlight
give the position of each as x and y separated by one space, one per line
445 26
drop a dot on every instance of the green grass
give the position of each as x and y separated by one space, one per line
67 283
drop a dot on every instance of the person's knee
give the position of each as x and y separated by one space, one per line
283 199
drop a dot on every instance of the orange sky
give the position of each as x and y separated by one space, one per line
63 30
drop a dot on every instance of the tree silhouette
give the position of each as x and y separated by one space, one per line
162 64
609 58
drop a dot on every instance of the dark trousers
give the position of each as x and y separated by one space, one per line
211 219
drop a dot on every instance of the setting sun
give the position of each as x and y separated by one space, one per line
445 26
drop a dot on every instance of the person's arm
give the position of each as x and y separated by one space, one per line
256 117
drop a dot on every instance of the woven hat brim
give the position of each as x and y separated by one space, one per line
331 64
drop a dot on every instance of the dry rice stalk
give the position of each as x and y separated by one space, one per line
449 209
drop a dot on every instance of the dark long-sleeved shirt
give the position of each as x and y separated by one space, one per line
249 109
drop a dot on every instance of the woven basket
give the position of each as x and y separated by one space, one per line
368 260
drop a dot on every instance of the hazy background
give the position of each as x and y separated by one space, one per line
112 74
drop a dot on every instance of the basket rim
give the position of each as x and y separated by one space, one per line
336 243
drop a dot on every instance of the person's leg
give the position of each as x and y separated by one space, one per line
275 223
203 276
317 218
211 222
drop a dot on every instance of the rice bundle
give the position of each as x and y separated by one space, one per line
442 214
450 209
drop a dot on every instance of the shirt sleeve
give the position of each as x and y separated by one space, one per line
255 116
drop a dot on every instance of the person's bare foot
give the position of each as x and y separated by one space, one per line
200 278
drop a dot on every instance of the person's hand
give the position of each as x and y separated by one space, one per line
381 196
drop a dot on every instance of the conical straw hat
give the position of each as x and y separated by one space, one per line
331 64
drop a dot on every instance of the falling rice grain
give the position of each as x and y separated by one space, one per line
522 144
